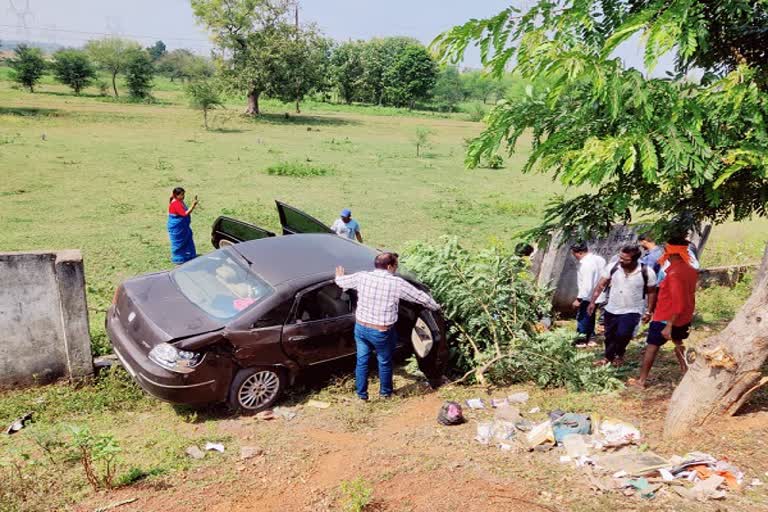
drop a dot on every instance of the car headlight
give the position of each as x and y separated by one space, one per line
169 357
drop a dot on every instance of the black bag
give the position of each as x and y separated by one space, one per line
450 414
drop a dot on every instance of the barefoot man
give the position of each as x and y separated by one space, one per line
674 308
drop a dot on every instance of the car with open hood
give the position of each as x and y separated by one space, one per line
240 324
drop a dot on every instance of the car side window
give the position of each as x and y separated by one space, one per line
325 302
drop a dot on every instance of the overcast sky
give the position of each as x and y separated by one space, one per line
73 22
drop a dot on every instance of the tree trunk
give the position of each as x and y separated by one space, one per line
727 366
253 103
114 83
205 118
298 107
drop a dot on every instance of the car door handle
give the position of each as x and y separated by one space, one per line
298 338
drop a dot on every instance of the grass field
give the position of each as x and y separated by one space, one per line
95 174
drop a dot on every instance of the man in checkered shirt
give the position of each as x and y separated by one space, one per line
378 297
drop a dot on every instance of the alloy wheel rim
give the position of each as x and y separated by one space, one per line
421 337
258 389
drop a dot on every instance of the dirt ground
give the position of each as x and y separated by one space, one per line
412 464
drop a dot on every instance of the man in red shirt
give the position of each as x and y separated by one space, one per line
674 308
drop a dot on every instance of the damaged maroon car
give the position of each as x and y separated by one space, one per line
240 324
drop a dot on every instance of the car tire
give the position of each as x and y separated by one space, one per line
256 389
432 361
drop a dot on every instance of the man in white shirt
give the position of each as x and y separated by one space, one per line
347 227
587 277
378 297
633 292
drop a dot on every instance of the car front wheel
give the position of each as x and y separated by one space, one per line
256 389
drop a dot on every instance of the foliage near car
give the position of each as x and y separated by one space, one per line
494 308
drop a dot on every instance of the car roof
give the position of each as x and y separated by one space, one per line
284 258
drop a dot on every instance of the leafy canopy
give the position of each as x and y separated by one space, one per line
674 151
28 66
73 68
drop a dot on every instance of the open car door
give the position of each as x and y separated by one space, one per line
228 231
296 221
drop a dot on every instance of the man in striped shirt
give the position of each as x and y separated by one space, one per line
378 298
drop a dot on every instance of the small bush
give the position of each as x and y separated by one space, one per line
495 162
98 456
357 494
476 112
298 170
103 89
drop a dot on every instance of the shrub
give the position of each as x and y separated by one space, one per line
495 162
476 112
493 307
139 75
103 88
73 68
298 170
98 456
28 66
421 139
356 495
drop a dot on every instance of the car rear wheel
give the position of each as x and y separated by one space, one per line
430 346
422 338
256 389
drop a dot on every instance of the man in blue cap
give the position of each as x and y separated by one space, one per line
347 227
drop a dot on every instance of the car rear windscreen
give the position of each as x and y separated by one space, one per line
220 285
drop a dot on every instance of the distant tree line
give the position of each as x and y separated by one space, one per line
261 51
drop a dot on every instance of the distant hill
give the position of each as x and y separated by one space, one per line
10 45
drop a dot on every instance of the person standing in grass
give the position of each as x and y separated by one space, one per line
378 298
347 227
587 276
674 311
179 227
632 284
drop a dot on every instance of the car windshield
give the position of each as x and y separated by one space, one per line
219 285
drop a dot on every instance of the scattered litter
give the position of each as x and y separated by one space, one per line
704 489
557 413
618 433
476 403
265 415
632 463
666 475
194 452
534 410
571 423
249 452
755 482
115 505
505 447
518 398
620 474
498 430
510 414
450 414
523 425
285 413
499 402
318 404
484 433
214 447
646 489
564 459
18 424
575 445
541 435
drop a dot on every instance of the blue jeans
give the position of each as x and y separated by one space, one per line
585 324
619 330
383 343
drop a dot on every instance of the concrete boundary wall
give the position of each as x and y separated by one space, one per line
43 318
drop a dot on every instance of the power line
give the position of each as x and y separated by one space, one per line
135 36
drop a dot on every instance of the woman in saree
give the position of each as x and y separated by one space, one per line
179 228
